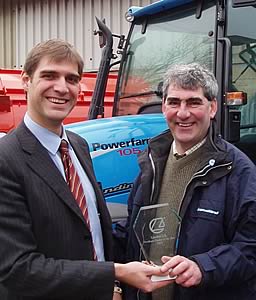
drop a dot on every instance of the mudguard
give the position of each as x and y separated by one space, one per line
114 144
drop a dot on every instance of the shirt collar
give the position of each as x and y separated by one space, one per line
47 138
189 151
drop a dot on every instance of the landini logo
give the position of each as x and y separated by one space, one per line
157 225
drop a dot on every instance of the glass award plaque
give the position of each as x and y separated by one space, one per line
156 228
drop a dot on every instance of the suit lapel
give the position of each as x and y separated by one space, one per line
82 153
40 162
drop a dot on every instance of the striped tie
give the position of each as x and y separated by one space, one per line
74 184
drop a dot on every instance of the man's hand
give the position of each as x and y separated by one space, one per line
138 274
187 271
117 296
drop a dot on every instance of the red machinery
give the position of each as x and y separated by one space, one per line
13 100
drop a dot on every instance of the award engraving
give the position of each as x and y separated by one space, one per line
156 228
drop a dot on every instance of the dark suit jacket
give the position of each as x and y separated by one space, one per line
45 245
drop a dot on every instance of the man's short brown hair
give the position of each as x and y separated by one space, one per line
56 50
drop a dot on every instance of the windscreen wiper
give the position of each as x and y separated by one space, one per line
157 93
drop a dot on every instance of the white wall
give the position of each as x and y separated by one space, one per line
23 23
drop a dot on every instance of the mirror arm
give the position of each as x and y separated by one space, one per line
97 101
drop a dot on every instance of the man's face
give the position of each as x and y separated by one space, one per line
188 114
52 92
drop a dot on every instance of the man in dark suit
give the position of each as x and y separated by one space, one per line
51 247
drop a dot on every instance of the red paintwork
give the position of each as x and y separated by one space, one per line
13 101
